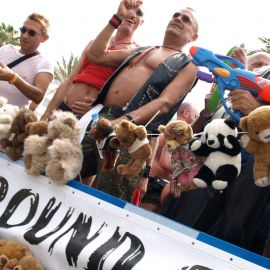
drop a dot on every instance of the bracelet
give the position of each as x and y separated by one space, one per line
129 117
115 21
13 79
146 171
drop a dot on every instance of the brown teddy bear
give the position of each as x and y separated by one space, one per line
14 145
257 141
17 256
102 132
133 138
13 250
6 263
185 164
35 154
65 152
28 263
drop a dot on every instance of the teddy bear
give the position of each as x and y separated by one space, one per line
13 250
220 145
257 142
13 146
7 114
28 262
35 154
6 263
17 256
102 132
134 140
185 164
65 152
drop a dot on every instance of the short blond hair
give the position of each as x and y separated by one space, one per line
41 20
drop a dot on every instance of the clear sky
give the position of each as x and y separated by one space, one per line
223 24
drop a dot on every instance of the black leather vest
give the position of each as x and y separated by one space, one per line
152 88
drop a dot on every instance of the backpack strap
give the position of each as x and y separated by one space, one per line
21 59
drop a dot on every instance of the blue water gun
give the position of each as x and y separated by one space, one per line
228 78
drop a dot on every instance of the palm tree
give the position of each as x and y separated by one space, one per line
64 69
8 35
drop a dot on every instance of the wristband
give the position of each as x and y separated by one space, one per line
146 171
13 79
115 21
129 117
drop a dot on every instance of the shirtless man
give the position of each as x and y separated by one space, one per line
81 88
117 93
181 30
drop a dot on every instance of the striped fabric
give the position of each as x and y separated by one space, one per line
26 69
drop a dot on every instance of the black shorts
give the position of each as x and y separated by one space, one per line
90 157
154 189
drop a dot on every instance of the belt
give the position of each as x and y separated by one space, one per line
114 111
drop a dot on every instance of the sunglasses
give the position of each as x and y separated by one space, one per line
185 18
31 32
139 13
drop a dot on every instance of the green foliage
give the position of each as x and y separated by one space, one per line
64 69
266 42
8 35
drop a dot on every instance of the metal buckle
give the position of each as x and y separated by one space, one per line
115 111
109 112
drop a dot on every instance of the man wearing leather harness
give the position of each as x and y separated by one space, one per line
150 80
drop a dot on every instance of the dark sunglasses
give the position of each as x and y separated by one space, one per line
139 13
31 32
185 18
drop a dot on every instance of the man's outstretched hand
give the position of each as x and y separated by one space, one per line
128 8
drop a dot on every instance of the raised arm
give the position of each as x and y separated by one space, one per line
99 53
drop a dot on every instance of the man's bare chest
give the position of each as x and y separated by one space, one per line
150 58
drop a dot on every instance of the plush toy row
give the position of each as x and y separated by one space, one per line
17 256
52 148
214 159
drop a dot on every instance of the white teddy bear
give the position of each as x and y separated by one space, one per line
7 114
65 152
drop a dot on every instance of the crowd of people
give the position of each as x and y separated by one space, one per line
142 84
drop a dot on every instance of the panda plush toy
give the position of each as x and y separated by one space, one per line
220 145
